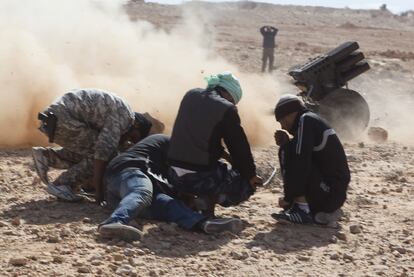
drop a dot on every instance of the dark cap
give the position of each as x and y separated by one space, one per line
287 104
142 124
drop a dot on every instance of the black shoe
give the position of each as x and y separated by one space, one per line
218 225
294 215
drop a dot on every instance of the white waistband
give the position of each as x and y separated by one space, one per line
182 171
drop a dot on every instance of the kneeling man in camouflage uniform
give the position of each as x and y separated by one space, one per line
89 125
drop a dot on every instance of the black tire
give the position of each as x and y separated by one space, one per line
347 112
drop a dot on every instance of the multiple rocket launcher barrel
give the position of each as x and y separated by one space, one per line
331 71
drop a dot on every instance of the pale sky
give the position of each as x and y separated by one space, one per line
395 6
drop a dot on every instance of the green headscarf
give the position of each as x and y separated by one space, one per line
227 81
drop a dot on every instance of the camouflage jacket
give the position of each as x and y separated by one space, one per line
105 113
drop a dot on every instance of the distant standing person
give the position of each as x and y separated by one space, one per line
269 35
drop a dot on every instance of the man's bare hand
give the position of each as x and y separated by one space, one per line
281 137
283 204
97 180
256 181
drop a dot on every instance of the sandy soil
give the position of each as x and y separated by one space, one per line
44 237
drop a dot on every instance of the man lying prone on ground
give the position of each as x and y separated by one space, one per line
134 187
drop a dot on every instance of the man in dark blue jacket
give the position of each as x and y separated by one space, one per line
313 164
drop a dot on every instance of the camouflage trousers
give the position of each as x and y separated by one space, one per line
79 169
77 141
225 185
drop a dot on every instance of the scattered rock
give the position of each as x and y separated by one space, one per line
36 180
65 232
334 256
129 252
241 255
348 257
16 221
400 250
355 229
86 220
126 270
53 239
377 134
96 262
58 259
303 258
377 268
341 236
84 269
396 253
136 262
20 261
205 254
117 257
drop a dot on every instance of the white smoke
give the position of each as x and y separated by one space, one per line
49 47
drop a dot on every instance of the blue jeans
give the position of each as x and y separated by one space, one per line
131 191
166 208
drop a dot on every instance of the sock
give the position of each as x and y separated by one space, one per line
304 207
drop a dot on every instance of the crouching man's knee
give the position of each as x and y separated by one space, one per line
335 201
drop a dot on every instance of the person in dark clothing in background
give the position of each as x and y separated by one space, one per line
205 118
269 34
135 186
313 165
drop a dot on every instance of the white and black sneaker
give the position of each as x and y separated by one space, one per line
63 192
294 215
219 225
40 163
119 230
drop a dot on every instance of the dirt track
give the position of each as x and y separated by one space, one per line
51 238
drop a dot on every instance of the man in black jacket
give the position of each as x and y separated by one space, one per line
205 118
269 33
313 164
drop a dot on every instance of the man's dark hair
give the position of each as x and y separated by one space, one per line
142 124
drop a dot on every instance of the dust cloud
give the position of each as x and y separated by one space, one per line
49 47
390 96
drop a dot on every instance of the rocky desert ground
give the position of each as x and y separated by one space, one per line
44 237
